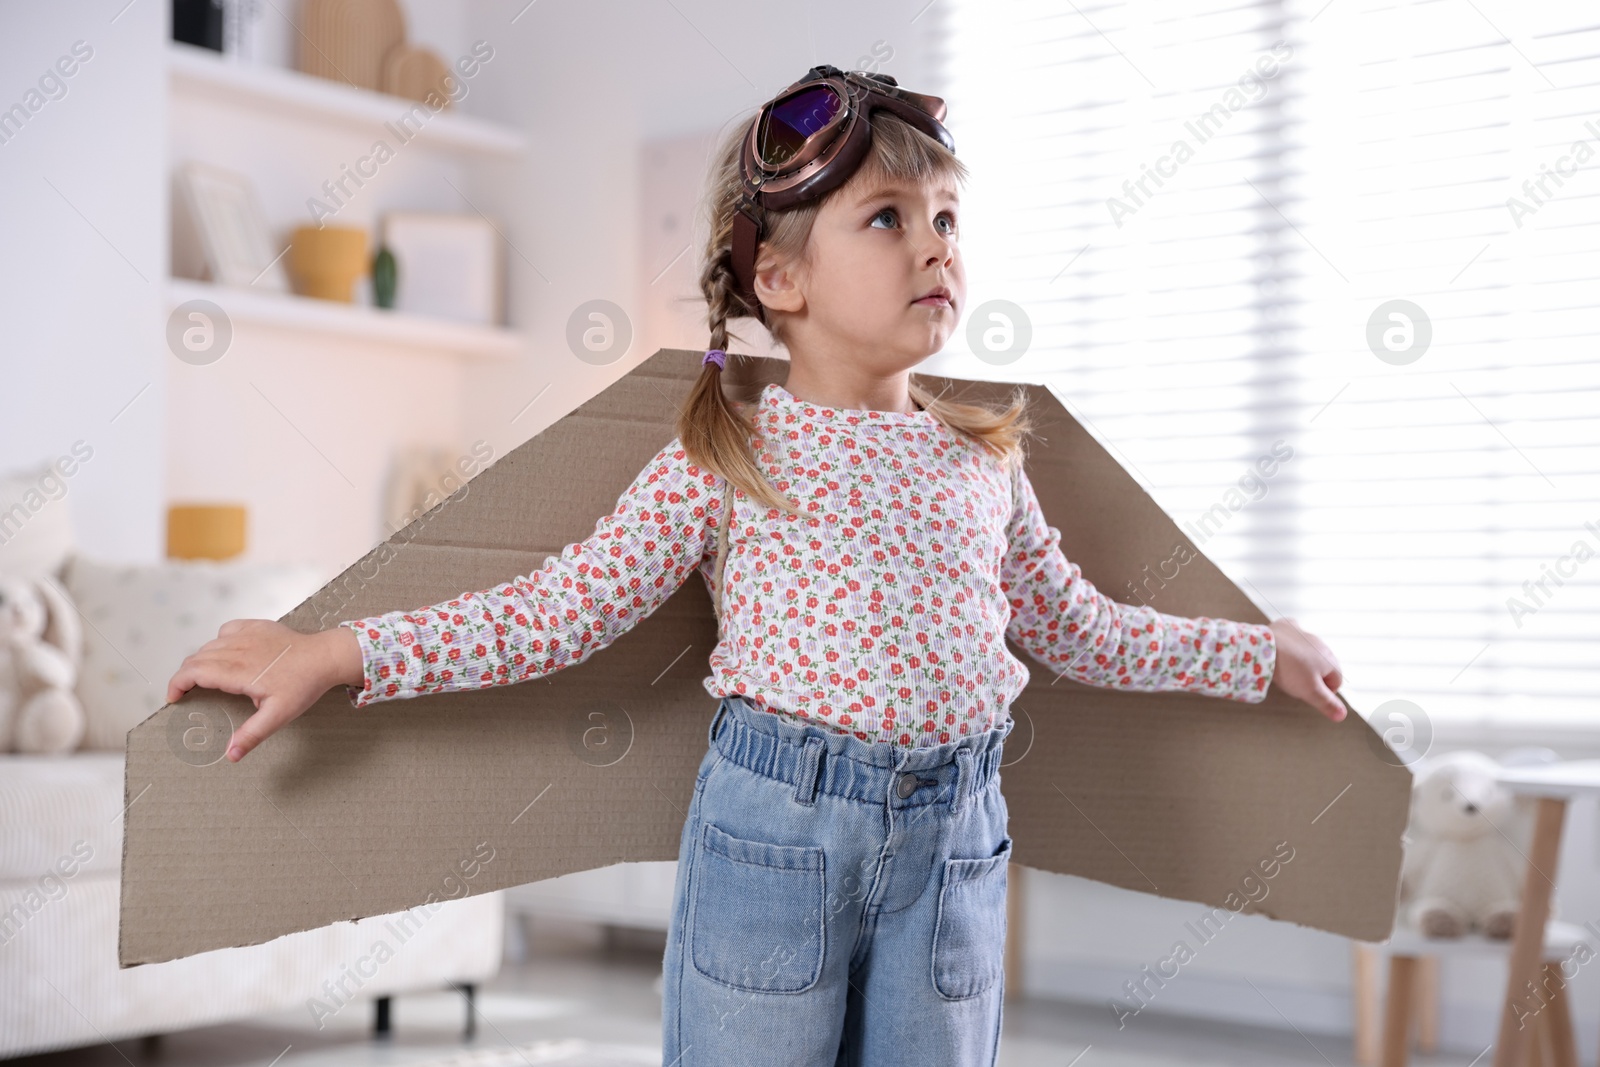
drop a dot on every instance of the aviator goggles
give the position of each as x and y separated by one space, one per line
809 139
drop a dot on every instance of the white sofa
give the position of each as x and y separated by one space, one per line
61 834
60 986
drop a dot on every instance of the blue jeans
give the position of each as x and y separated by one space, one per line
837 902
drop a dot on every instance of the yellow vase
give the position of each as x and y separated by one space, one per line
327 262
205 531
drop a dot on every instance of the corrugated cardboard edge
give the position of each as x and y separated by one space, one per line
350 813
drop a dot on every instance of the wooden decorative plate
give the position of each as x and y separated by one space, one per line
346 40
414 73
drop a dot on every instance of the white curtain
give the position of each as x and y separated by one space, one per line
1323 276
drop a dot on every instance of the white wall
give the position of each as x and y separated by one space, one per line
592 83
80 259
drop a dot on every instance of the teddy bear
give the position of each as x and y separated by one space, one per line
41 647
1463 865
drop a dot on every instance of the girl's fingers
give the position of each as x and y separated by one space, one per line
241 743
1329 675
221 675
269 716
1326 702
1322 665
246 737
207 671
187 676
182 681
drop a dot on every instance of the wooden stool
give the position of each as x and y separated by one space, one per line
1412 1003
1554 784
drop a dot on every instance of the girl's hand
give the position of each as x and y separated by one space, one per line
1305 668
282 670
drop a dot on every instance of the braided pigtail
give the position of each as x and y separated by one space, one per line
714 433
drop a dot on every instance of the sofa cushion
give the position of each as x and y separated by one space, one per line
144 619
61 815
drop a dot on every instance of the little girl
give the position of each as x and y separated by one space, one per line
841 882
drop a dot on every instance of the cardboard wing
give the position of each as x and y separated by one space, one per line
1267 808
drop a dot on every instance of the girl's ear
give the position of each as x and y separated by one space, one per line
777 285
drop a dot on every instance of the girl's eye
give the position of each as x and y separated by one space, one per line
948 219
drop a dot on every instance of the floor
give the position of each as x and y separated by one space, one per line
578 982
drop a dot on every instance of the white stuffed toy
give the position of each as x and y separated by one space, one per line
41 646
1463 869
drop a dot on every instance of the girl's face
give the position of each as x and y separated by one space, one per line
877 248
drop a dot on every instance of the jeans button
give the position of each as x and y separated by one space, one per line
907 785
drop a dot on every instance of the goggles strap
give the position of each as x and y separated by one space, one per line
746 233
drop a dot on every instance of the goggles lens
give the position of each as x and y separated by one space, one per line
794 120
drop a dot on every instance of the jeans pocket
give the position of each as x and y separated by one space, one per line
757 918
969 936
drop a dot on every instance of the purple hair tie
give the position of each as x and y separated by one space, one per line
717 356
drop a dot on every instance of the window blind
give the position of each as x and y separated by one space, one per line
1323 276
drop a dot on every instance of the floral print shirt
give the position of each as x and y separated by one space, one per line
883 614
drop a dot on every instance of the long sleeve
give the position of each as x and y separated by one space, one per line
580 601
1062 620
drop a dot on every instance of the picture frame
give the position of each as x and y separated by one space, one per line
448 265
229 226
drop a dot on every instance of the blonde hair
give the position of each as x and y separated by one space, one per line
714 434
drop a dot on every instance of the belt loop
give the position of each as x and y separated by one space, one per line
716 720
805 779
963 778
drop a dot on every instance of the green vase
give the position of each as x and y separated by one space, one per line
385 275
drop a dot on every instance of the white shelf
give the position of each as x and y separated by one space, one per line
325 317
203 74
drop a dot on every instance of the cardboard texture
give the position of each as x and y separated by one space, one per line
350 813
